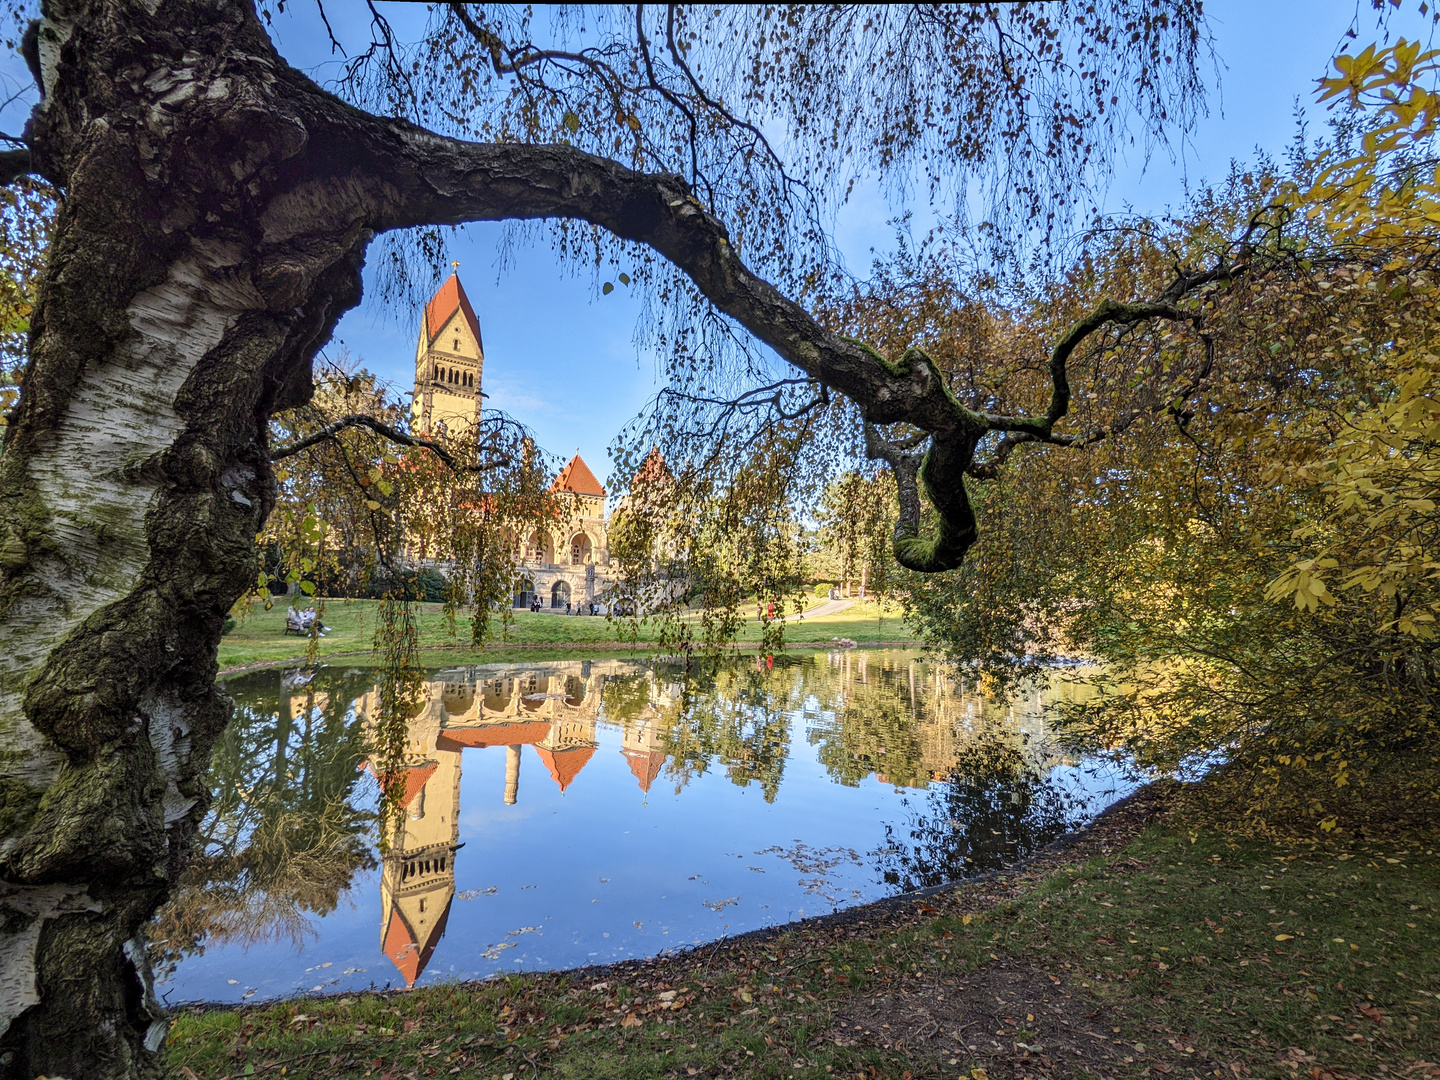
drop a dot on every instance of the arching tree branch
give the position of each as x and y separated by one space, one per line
415 177
331 430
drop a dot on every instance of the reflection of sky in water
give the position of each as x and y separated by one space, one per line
599 871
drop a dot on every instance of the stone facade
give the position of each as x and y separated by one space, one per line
569 560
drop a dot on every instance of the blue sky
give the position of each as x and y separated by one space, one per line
562 359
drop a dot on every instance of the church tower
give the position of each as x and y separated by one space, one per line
449 361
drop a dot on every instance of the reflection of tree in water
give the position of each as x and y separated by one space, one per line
624 697
867 720
737 715
282 839
995 808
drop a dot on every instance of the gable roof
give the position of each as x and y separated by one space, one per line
565 765
409 779
577 477
652 470
645 766
449 298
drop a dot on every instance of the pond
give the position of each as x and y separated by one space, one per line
560 813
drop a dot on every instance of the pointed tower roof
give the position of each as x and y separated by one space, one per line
448 299
408 954
578 478
652 470
409 779
565 765
645 765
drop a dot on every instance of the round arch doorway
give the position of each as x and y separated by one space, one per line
559 594
525 594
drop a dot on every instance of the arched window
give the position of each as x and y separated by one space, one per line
539 548
559 594
457 345
581 550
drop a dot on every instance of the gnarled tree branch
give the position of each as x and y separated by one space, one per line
331 430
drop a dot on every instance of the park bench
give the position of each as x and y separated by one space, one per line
298 622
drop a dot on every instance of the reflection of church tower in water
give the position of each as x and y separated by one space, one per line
553 712
417 880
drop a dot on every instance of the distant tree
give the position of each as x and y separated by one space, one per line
855 517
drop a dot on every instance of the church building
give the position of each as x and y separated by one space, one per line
564 562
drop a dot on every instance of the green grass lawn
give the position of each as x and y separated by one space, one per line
260 638
1146 950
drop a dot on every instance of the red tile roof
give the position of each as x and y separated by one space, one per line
645 766
565 765
413 779
578 478
457 738
443 304
407 954
653 469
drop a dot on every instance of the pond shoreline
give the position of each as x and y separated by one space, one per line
739 647
1116 825
1003 972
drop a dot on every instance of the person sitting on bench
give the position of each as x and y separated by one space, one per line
301 622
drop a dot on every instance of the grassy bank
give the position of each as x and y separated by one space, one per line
1144 950
260 638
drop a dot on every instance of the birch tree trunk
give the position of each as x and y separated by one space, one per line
217 206
194 273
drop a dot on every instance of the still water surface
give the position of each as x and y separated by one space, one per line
563 813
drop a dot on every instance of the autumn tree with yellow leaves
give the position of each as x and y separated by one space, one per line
1253 557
